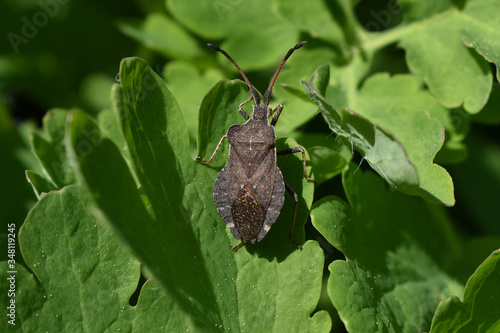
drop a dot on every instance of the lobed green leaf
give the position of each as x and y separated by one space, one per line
82 276
392 279
162 34
400 149
50 150
438 41
477 312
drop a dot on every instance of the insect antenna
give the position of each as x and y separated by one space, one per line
253 92
270 89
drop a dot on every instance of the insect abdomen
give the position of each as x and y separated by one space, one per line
248 214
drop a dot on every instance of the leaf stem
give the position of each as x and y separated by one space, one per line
378 40
372 41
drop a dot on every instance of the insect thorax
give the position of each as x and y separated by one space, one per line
257 134
260 112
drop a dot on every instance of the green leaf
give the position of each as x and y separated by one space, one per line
155 311
162 34
482 30
321 78
327 163
83 276
456 123
49 149
189 86
263 302
401 152
107 176
471 84
391 280
180 237
433 44
381 149
383 100
313 17
480 302
421 10
39 183
206 18
238 22
110 128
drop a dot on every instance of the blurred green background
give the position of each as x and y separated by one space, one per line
66 54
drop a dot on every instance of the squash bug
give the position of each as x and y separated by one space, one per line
249 191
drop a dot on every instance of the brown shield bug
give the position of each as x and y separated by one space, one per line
249 191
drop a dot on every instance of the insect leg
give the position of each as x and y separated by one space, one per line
294 150
278 110
296 199
215 151
237 246
240 109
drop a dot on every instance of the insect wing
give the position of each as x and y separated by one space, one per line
222 200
